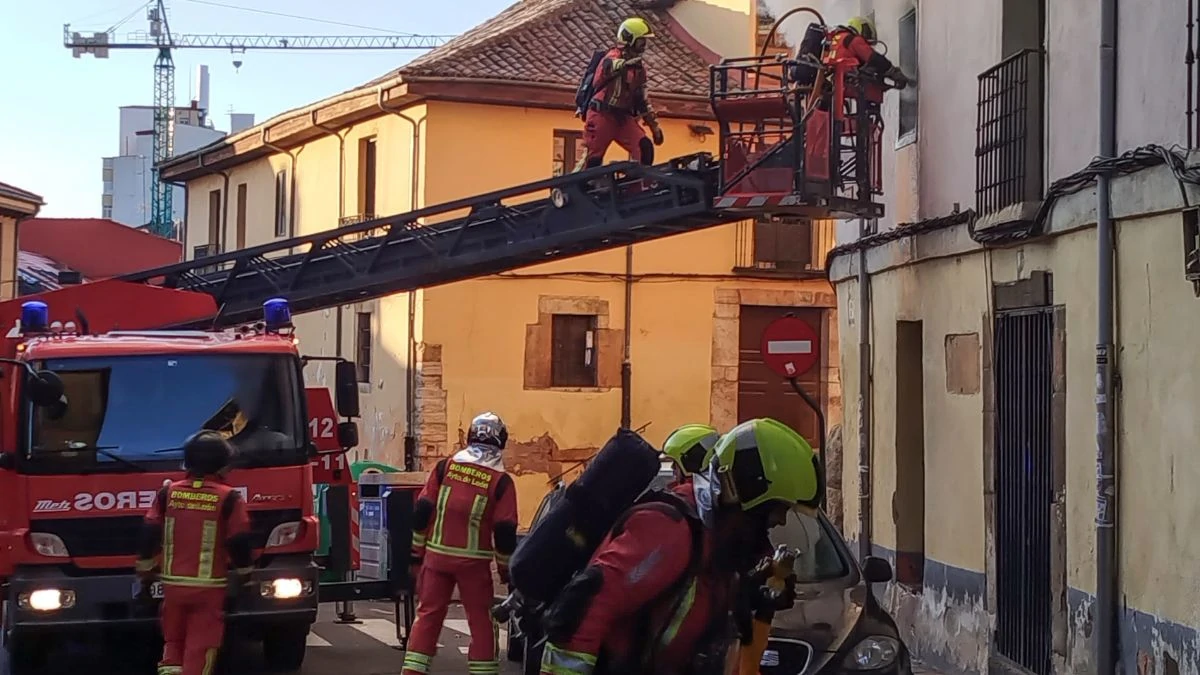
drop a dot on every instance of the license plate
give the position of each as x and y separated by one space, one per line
155 589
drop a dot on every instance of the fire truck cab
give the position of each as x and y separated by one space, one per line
92 426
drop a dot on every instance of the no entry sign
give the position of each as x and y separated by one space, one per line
790 346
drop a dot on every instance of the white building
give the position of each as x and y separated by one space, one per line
128 175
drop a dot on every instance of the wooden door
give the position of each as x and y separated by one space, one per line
761 392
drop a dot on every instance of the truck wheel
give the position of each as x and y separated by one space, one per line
284 646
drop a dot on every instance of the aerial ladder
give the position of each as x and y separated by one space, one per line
160 39
793 143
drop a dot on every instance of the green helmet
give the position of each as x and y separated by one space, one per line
764 460
691 447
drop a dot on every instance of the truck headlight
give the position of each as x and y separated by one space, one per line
873 653
46 600
49 545
284 534
285 588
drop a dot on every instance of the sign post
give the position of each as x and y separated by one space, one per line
791 347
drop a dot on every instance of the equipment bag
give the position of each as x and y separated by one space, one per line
562 542
587 89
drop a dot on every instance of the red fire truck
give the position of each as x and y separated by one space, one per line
107 379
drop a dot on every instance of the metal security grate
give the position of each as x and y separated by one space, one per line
1008 135
1024 488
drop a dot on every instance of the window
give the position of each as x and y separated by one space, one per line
214 219
281 190
106 212
362 331
783 244
367 157
573 350
568 151
908 501
240 223
907 128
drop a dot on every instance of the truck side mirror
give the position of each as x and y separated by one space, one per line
346 388
347 434
8 461
44 388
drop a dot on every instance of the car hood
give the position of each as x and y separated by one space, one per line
825 614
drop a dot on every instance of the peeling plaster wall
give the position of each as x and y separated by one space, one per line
943 279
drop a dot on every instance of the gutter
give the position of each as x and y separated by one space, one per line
411 460
338 339
866 416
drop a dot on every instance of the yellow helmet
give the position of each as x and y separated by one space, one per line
863 26
632 29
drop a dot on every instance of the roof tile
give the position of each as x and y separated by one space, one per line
551 42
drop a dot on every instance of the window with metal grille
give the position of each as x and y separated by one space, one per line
363 341
568 150
907 124
367 158
281 188
573 350
783 244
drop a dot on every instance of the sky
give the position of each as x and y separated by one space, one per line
59 115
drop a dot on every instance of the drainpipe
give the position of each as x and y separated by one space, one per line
224 213
865 414
410 402
1106 460
627 361
337 344
291 218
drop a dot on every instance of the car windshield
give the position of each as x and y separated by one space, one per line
135 410
818 557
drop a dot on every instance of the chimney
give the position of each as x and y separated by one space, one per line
69 278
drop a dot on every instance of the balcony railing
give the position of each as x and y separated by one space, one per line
783 247
347 221
205 251
1009 134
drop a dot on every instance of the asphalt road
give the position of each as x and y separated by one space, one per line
365 648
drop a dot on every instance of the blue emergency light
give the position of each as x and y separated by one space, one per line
277 314
35 316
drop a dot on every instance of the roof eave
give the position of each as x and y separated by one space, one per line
325 118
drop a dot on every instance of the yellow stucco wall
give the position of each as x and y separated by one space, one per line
8 257
1156 424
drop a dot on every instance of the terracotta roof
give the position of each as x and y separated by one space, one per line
551 42
17 193
97 248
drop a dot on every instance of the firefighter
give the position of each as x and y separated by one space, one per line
464 517
657 595
619 99
690 448
854 44
201 527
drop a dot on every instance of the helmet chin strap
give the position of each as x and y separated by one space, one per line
483 455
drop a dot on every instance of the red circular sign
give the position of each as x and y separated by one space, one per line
790 346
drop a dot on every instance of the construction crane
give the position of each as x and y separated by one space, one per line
161 39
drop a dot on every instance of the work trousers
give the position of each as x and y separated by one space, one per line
475 590
193 625
602 129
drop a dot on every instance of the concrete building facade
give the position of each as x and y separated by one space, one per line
974 412
542 346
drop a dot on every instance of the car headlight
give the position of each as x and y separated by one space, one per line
284 534
873 653
46 600
49 545
285 588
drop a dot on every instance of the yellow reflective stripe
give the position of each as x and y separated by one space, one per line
417 661
689 599
483 667
208 549
460 552
170 670
210 661
563 662
191 581
473 522
168 545
418 539
502 559
443 497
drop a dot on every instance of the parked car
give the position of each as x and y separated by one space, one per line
836 626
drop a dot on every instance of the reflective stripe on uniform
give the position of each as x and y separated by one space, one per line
417 662
176 580
208 549
562 662
460 552
477 507
483 667
170 670
210 661
440 516
689 599
168 545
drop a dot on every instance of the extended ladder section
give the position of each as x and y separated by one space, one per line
593 210
798 138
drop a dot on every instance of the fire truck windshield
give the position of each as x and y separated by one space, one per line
130 413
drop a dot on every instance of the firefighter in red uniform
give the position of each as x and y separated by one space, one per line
619 99
200 525
468 504
852 46
657 597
